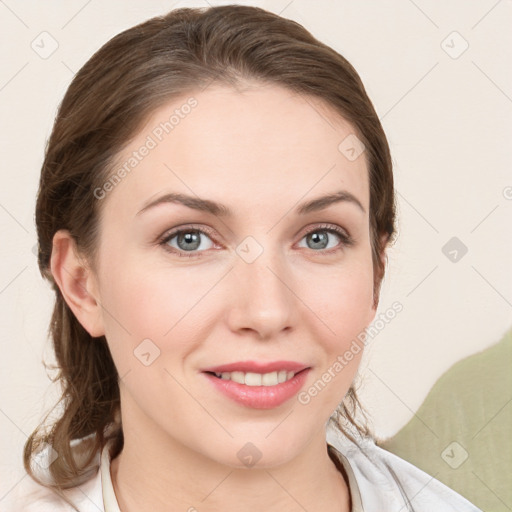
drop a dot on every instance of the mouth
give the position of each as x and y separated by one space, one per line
258 385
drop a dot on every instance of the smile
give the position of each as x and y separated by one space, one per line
257 379
258 390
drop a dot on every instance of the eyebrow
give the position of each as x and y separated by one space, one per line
222 210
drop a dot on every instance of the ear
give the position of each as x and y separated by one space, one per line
384 239
77 283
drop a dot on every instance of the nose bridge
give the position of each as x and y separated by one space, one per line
263 300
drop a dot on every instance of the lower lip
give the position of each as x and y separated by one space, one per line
260 397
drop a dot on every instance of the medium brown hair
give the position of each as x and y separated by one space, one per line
107 102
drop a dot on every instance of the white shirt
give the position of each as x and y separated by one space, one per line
379 481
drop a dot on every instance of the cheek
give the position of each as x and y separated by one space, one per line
342 300
342 310
138 294
341 305
132 306
154 302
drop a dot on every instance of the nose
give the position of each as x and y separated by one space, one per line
262 300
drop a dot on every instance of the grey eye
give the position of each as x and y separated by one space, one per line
187 240
319 239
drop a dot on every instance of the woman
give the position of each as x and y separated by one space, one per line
214 209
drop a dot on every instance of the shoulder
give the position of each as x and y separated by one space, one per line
385 480
30 496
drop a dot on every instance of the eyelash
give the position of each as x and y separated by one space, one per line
346 240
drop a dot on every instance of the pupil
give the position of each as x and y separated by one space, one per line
319 240
190 238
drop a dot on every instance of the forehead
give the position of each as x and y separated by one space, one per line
245 148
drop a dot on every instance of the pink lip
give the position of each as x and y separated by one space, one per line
258 367
260 397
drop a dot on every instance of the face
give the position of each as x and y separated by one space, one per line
258 286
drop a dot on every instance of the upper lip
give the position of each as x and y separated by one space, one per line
258 367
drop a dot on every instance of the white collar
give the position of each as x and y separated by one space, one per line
109 496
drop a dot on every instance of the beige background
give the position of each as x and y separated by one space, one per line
447 111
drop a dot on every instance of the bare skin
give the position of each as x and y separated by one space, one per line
262 152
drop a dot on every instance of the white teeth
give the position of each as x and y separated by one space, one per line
270 379
257 379
238 377
252 379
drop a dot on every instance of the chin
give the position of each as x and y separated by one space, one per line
257 452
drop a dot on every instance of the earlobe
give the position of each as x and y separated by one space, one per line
76 282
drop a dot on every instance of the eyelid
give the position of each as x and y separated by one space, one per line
191 227
346 238
343 233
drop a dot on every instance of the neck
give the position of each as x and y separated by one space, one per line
159 474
